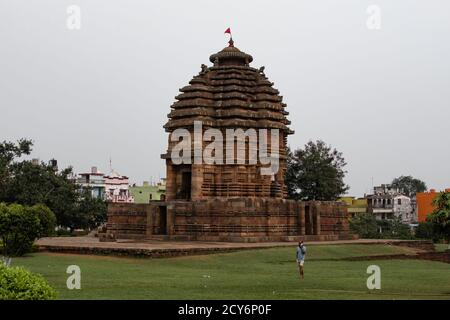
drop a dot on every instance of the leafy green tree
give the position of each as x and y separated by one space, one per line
440 217
365 225
47 219
315 173
409 185
88 213
8 152
426 230
27 183
396 229
19 228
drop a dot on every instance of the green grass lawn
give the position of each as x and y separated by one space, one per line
251 274
441 247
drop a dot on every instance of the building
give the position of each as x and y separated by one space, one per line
425 205
355 206
244 197
94 181
149 192
388 202
404 209
117 188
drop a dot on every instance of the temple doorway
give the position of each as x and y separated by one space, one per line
185 192
308 221
162 220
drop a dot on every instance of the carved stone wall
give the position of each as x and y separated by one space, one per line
235 219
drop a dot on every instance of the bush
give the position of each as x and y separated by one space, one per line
426 230
396 229
365 225
47 219
16 283
18 229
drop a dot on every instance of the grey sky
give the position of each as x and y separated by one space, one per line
379 96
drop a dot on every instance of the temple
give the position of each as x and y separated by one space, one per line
237 194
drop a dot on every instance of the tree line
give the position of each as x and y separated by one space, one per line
26 183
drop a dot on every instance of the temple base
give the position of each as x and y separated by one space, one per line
231 220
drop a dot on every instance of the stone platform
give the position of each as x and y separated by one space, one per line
157 249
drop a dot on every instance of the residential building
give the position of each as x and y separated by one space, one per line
355 205
425 203
117 188
388 202
149 192
94 181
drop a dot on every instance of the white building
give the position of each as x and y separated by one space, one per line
403 209
117 188
389 203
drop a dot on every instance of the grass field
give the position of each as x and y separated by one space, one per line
251 274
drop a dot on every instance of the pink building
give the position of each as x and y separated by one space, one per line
116 188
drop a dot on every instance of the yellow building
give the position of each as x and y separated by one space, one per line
355 205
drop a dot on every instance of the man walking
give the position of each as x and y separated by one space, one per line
301 252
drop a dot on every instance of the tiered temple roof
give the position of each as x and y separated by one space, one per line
229 94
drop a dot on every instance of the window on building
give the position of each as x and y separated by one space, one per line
399 201
150 197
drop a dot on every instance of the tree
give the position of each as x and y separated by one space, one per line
409 185
88 213
26 183
19 228
426 230
396 229
47 219
365 225
8 152
440 217
315 173
368 227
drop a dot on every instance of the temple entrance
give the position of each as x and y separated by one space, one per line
185 192
162 212
308 221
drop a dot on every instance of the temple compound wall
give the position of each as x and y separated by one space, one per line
235 219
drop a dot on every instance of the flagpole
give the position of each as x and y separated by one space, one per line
230 42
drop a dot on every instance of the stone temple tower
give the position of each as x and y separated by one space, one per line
229 95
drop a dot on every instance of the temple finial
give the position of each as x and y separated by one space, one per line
231 42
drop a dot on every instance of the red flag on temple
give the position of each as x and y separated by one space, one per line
228 31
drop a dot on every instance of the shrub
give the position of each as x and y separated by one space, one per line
47 219
365 225
426 230
396 229
18 229
16 283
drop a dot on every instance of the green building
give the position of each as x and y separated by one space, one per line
147 192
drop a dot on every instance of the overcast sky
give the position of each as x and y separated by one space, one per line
382 97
